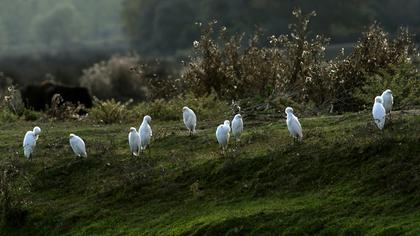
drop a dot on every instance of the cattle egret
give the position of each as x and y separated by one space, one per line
293 125
379 113
134 142
190 119
145 132
222 135
29 141
78 145
237 126
387 100
227 123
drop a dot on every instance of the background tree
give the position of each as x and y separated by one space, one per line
150 23
60 27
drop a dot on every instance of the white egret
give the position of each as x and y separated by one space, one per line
237 126
293 125
29 141
134 142
145 132
227 123
387 100
223 134
190 119
379 113
78 145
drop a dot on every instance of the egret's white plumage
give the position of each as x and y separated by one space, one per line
223 134
36 131
29 141
227 123
134 141
145 132
237 126
378 112
78 145
293 124
387 100
190 119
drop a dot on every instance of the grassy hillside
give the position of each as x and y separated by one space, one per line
346 177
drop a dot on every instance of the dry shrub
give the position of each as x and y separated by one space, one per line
289 66
11 104
61 110
159 77
294 66
13 101
114 79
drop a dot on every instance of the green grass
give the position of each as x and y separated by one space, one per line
346 178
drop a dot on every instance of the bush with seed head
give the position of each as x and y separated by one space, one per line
11 104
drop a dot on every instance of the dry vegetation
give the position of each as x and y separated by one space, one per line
294 67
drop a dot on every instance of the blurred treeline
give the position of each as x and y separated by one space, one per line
163 27
31 26
49 39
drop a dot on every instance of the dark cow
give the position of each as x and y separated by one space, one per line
38 97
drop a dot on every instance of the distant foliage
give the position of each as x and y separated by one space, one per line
49 26
114 79
294 67
165 27
109 111
60 27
